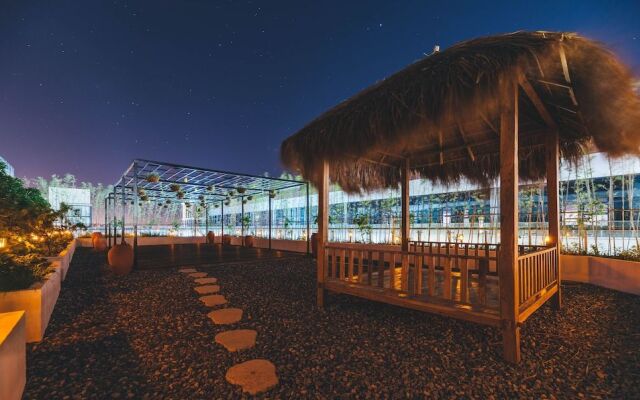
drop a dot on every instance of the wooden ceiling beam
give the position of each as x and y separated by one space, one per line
537 103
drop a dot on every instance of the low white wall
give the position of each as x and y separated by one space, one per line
153 240
606 272
38 302
13 360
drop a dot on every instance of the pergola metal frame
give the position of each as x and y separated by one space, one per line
199 185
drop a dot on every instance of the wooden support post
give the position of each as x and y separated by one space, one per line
508 255
406 224
552 161
323 224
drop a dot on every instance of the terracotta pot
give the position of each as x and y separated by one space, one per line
211 237
248 241
226 239
314 245
120 258
99 244
95 235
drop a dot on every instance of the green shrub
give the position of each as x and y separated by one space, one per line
20 272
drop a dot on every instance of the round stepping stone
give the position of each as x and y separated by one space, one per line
238 339
225 316
213 300
187 270
204 281
255 376
198 274
207 289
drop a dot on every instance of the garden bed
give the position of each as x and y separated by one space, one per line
148 335
12 355
63 260
38 302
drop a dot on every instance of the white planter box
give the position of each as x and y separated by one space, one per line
606 272
38 302
63 259
13 360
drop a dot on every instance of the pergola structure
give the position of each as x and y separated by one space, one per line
154 181
504 107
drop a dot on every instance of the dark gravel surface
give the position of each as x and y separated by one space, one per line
147 336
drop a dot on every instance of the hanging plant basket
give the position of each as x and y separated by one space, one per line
153 178
201 197
160 204
231 193
216 205
249 198
244 201
180 195
241 190
165 206
210 188
141 192
144 198
226 203
272 195
168 201
174 187
188 205
132 202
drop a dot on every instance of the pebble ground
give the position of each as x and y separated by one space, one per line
146 336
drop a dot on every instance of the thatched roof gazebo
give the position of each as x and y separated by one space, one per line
504 107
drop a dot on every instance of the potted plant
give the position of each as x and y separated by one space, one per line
174 187
210 188
180 195
241 190
153 178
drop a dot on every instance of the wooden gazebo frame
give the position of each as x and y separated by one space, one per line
504 107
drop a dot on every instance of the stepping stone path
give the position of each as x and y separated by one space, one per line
213 300
239 339
255 376
207 289
204 281
225 316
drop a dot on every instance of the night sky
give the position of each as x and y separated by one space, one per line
86 86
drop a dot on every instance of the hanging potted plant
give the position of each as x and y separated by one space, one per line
201 197
244 201
249 198
153 178
144 198
231 193
141 192
188 205
226 203
168 201
210 188
180 195
216 205
174 187
241 190
272 194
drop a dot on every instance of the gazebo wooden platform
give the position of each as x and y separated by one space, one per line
504 107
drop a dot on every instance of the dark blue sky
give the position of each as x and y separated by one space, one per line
86 86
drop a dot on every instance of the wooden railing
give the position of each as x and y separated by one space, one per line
454 272
537 271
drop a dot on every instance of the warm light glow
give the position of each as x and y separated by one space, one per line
3 243
547 239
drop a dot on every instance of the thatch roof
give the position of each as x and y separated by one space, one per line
441 112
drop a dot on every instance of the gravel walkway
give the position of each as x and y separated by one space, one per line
148 336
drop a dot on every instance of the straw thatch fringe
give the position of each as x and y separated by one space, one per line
446 92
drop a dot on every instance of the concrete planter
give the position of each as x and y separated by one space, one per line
37 301
153 240
63 260
606 272
13 360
